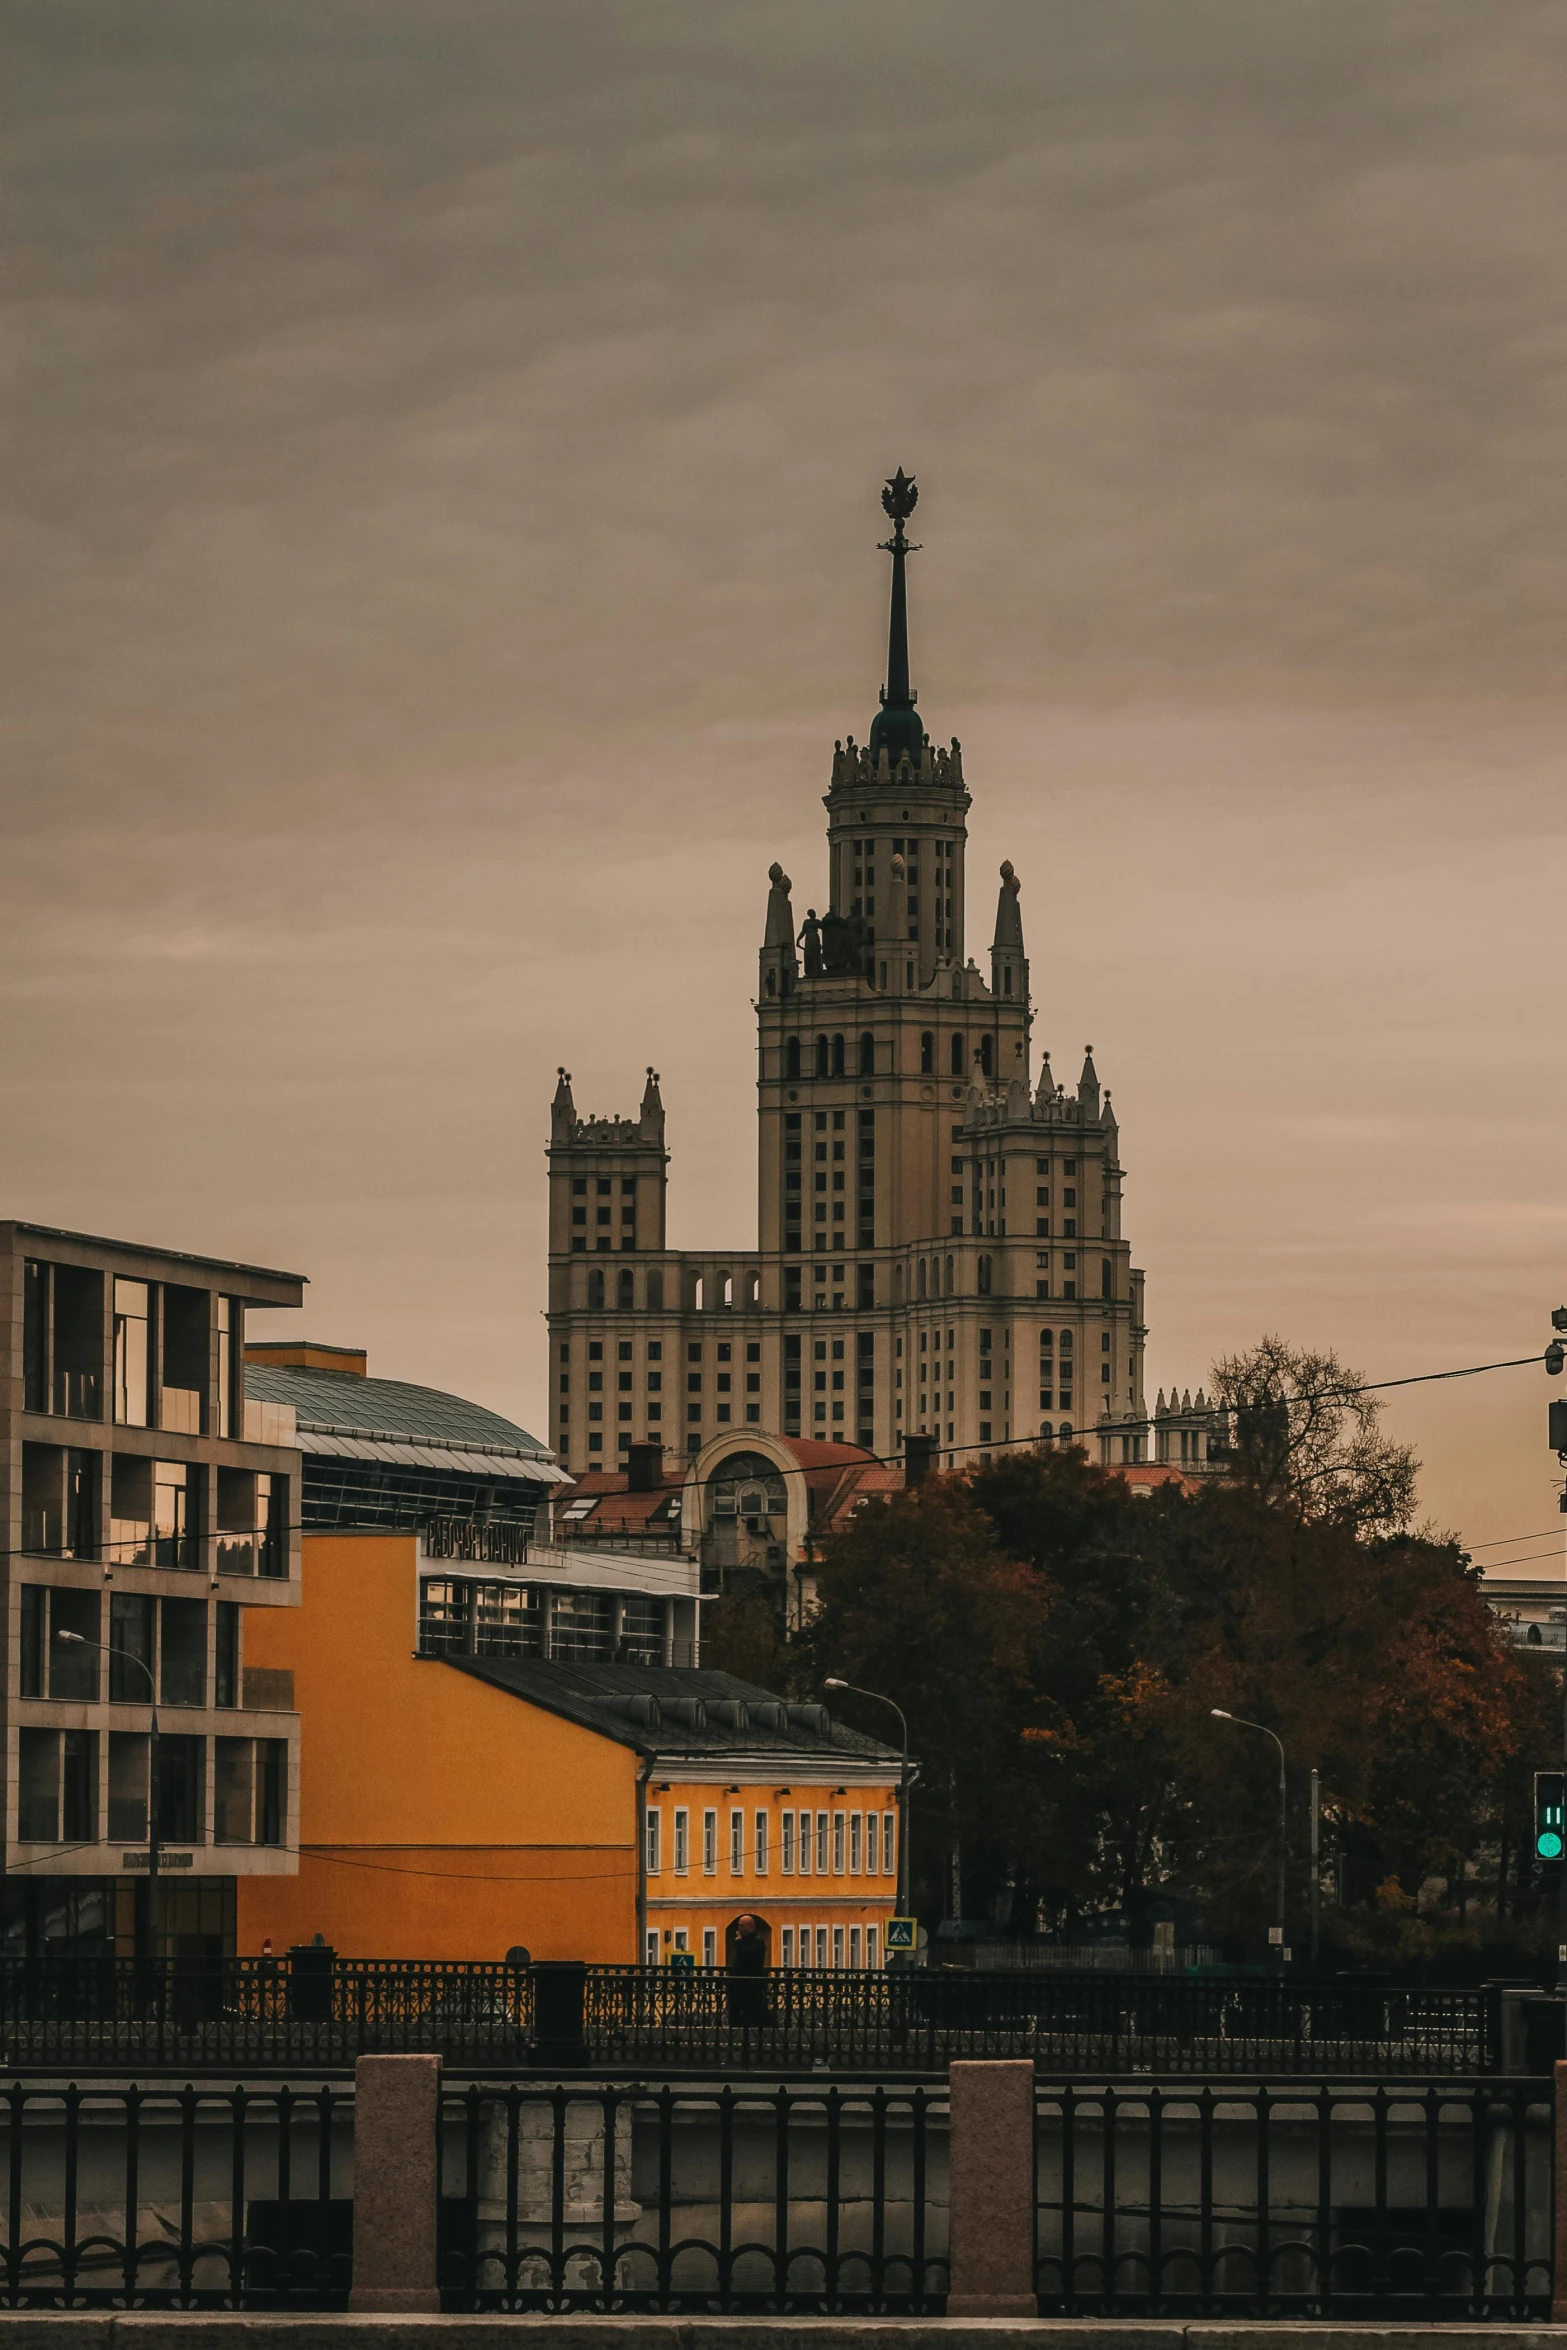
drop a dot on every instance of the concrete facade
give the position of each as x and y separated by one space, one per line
147 1511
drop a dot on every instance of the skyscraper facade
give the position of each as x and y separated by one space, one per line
939 1251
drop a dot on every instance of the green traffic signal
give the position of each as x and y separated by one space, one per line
1548 1844
1550 1814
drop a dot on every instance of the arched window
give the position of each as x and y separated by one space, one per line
1066 1431
1066 1342
698 1293
919 1279
949 1277
1046 1341
771 983
927 1054
1105 1289
595 1293
1045 1429
655 1290
867 1055
821 1056
624 1299
959 1064
837 1056
987 1055
791 1056
984 1276
1006 980
726 1290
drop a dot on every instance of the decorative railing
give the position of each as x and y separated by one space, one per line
311 2007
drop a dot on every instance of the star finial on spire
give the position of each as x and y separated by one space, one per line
899 499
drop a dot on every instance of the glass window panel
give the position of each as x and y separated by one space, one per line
174 1514
185 1348
236 1544
180 1788
130 1648
132 1359
81 1787
233 1789
34 1614
226 1656
272 1790
77 1350
580 1626
130 1512
39 1786
73 1666
183 1663
128 1786
43 1500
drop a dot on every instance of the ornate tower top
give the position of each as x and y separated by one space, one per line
895 728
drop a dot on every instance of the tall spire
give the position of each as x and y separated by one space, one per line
895 728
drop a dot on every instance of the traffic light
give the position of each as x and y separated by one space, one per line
1550 1814
1555 1357
1556 1424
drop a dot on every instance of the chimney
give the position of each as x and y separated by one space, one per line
644 1468
919 1458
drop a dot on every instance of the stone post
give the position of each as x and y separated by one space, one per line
560 1987
990 2196
396 2110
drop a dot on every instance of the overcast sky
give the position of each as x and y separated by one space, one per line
440 472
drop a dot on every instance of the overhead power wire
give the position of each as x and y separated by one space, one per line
1095 1429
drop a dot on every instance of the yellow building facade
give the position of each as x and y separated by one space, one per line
458 1806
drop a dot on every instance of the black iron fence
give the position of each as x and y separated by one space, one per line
1427 2200
918 2021
210 2197
308 2009
1420 2201
314 2009
789 2199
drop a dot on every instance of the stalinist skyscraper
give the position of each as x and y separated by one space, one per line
939 1247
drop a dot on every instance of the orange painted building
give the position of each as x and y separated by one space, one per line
456 1805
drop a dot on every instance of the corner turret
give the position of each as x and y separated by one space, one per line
779 968
1008 963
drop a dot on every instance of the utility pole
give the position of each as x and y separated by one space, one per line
1241 1723
905 1782
1555 1359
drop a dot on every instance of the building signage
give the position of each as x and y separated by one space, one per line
166 1860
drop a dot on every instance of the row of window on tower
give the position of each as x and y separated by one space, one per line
829 1055
829 1171
719 1294
626 1400
944 864
598 1217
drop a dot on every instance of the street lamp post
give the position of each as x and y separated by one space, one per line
876 1698
1241 1723
77 1640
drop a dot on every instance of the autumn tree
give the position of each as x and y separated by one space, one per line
1306 1436
1059 1644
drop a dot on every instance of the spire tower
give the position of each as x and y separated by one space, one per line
895 728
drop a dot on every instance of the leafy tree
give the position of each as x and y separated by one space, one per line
1306 1437
1059 1644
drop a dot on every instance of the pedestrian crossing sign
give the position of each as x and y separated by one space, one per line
901 1934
